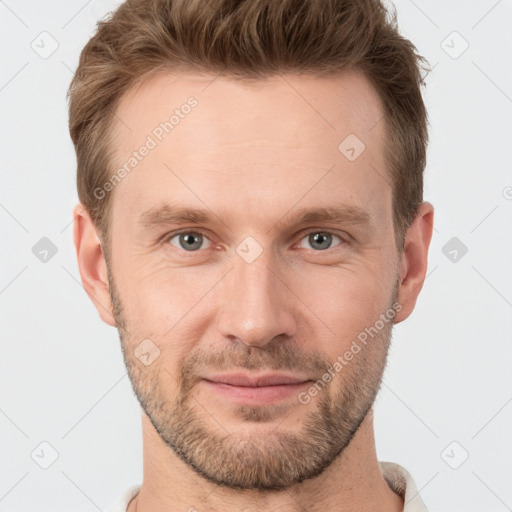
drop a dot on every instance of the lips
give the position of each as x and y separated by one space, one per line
255 389
248 380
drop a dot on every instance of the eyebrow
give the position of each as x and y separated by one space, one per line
167 214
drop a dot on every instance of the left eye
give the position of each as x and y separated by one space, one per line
323 239
191 241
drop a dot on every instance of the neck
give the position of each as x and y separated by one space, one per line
354 481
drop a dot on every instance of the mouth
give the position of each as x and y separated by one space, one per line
256 389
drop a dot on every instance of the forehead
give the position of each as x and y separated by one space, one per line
255 143
319 106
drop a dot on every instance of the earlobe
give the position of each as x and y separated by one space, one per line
413 266
91 263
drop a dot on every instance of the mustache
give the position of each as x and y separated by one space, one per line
274 356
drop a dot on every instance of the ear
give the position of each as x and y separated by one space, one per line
91 263
414 261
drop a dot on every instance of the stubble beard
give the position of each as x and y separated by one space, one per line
277 458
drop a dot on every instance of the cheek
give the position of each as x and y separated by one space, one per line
345 300
158 298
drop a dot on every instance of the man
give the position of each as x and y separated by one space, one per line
251 220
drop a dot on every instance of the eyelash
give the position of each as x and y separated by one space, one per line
167 238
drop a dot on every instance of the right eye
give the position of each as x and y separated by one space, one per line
189 241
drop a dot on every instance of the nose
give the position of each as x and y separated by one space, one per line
258 304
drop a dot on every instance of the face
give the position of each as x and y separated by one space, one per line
259 281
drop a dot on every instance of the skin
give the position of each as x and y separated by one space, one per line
252 154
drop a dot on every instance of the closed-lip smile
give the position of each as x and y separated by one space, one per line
255 389
251 380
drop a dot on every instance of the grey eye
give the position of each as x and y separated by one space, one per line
320 240
189 241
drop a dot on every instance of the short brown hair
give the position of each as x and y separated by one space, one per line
251 39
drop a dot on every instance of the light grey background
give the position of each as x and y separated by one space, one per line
63 380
